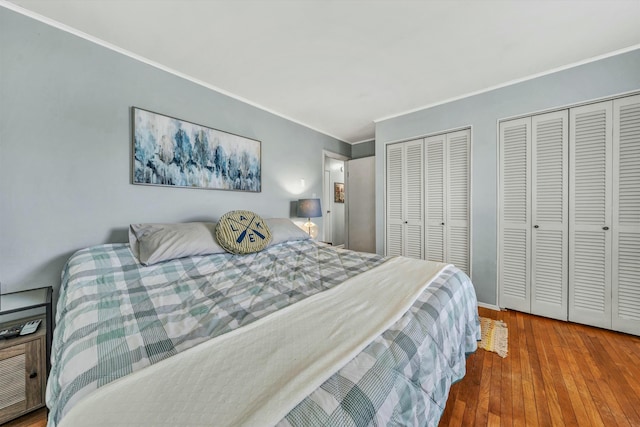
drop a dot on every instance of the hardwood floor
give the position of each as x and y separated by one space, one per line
556 374
35 419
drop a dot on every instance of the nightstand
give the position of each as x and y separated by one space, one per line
24 360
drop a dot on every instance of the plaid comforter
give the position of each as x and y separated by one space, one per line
115 317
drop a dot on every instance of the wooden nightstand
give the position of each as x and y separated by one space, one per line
24 359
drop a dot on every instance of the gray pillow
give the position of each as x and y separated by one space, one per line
284 230
154 243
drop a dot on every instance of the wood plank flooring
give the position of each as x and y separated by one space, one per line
556 374
36 418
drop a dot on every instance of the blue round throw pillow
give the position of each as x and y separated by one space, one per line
242 232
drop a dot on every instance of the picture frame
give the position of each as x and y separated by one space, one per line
338 192
172 152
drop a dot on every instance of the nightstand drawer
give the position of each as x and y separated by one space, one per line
22 375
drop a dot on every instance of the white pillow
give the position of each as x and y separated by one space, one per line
284 230
154 243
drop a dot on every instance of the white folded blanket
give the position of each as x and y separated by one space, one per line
256 374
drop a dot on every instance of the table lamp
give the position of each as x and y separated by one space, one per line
309 208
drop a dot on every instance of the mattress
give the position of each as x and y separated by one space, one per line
116 317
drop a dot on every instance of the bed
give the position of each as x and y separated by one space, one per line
258 339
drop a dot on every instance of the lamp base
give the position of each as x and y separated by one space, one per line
310 228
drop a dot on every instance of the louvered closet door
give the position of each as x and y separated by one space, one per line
457 199
514 214
395 213
549 208
590 198
626 215
414 199
434 202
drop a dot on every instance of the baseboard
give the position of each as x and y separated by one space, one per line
488 306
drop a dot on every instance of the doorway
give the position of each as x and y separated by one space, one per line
333 199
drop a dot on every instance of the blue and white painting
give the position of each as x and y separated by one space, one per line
172 152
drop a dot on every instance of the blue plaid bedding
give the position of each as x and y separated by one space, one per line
115 317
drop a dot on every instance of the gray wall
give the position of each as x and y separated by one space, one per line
65 149
606 77
363 149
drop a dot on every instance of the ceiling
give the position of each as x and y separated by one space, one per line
339 66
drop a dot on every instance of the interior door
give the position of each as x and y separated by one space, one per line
405 199
549 210
394 233
360 200
514 214
326 206
590 199
434 198
626 215
414 199
457 169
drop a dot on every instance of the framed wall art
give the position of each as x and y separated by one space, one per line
177 153
338 192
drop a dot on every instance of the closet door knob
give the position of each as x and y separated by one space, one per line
33 375
536 226
442 223
605 228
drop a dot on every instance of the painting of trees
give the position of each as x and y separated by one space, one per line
174 152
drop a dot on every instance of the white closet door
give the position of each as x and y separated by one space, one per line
549 208
434 202
456 196
395 212
414 199
590 198
626 215
514 214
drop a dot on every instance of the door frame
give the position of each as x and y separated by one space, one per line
336 156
